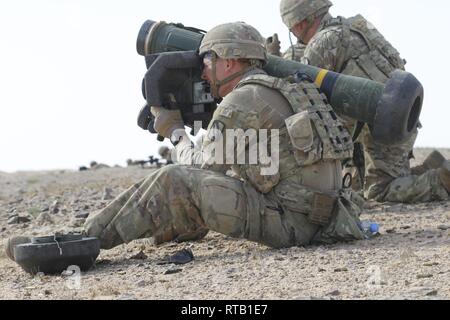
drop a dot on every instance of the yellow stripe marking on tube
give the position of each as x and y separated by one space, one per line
320 77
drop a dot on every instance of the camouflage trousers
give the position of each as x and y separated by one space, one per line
388 175
180 203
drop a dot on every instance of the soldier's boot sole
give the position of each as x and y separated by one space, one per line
12 242
444 175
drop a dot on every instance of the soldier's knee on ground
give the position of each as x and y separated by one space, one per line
92 228
108 236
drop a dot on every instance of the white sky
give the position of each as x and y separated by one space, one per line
70 76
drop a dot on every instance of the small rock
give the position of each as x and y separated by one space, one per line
18 200
45 209
44 217
322 270
83 215
424 276
140 256
104 261
47 292
77 223
122 273
13 215
341 270
107 194
405 227
54 208
432 293
232 270
18 220
141 284
431 264
334 293
181 257
173 271
391 231
443 227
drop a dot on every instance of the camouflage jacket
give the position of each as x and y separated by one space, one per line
295 52
282 117
352 46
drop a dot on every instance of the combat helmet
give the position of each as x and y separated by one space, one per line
236 40
295 11
163 151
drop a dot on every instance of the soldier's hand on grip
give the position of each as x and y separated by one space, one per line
167 121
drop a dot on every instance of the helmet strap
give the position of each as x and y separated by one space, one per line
292 45
216 84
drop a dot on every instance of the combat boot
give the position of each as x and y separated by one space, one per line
12 242
444 175
434 161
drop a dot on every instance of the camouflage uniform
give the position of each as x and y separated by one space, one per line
299 204
354 47
295 52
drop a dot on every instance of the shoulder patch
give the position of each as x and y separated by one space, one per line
226 112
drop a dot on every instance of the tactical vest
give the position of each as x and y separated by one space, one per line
380 60
316 133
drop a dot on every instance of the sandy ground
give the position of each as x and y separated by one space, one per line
410 260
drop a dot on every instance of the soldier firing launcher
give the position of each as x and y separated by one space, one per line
173 80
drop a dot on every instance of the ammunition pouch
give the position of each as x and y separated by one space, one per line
301 134
318 207
323 209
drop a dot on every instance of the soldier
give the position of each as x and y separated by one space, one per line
295 52
98 166
353 46
166 154
299 204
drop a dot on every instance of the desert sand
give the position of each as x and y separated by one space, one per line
410 259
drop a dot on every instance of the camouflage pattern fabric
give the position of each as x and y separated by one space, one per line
295 11
235 40
295 52
388 174
181 202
